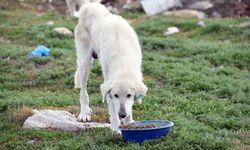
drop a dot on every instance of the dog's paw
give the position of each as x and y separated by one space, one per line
83 117
131 121
117 132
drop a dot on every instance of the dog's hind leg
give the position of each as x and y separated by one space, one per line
84 61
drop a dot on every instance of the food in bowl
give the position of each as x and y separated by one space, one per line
135 126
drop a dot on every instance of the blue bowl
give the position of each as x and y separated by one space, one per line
139 135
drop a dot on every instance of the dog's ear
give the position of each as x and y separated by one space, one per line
140 91
105 90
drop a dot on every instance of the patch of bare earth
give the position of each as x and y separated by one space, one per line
158 81
136 21
239 145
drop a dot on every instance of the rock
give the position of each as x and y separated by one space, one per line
202 5
40 15
201 24
188 2
152 7
186 13
215 14
171 30
32 142
241 25
8 58
63 31
227 41
58 119
50 23
244 24
133 5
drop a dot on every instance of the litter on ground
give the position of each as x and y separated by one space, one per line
41 50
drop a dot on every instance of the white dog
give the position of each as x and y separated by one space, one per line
112 39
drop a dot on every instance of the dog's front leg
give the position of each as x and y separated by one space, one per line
84 61
85 112
129 119
114 118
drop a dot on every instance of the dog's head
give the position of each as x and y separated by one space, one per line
122 95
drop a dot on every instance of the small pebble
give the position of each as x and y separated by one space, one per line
171 30
50 23
63 31
201 24
31 142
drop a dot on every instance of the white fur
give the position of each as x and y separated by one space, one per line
71 4
119 54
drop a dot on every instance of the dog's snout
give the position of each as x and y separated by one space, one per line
122 114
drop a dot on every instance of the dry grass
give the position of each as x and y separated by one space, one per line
72 109
240 146
100 115
21 114
245 133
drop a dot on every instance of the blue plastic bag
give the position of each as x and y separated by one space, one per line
41 51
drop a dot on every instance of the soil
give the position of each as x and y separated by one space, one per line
226 8
230 8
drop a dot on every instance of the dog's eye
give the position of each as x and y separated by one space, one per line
129 95
116 96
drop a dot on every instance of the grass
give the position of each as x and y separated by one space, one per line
198 78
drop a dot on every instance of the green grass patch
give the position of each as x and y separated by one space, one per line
198 78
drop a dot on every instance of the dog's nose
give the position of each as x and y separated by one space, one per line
122 115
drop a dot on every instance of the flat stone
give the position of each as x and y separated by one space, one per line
63 31
202 5
31 142
152 7
186 13
244 24
50 23
59 119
